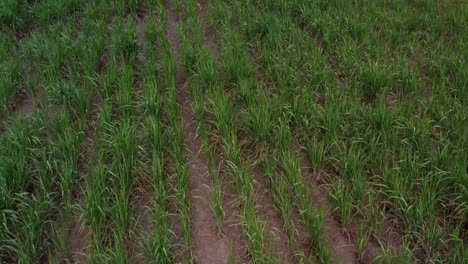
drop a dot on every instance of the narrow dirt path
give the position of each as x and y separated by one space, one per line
172 36
208 35
264 199
23 105
143 192
77 232
209 246
76 241
140 28
266 210
172 28
238 250
343 246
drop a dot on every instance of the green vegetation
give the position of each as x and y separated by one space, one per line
372 94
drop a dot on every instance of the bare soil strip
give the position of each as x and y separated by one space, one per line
23 104
265 209
388 238
326 53
77 232
209 246
269 213
172 27
264 201
208 35
76 241
142 191
143 222
232 225
140 28
173 38
343 246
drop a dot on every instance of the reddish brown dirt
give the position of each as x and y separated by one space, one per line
76 235
280 245
208 36
24 105
265 209
302 237
391 235
174 220
140 27
342 245
232 225
172 27
102 67
76 241
143 223
143 193
209 245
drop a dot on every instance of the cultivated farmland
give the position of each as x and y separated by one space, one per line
233 131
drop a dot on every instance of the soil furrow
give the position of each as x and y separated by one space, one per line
140 28
208 36
23 105
172 27
326 53
77 242
77 232
143 190
209 246
343 246
238 251
265 208
172 36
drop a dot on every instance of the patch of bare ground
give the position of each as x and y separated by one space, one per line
77 232
238 251
264 200
387 238
23 104
140 28
209 37
391 235
330 58
173 38
343 239
391 101
143 217
76 241
302 237
342 243
265 204
142 189
172 27
265 209
210 245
